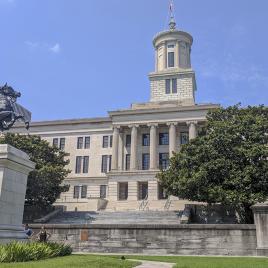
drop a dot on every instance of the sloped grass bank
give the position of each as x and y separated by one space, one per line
75 261
208 262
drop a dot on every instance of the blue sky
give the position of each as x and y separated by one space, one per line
82 58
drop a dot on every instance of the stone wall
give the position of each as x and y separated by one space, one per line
184 239
185 88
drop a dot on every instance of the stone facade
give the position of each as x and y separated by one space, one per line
125 150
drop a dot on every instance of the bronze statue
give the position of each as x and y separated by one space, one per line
10 111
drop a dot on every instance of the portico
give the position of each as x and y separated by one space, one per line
135 165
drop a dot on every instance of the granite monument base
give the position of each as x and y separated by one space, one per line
14 169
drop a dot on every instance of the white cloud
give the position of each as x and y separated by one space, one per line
56 48
43 46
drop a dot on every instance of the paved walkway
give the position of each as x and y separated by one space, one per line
154 264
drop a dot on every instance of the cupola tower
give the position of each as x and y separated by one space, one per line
173 79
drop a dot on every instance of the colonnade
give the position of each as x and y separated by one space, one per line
153 143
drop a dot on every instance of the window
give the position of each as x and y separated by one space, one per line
62 143
80 191
163 160
142 190
184 137
80 143
163 139
55 142
110 162
87 142
146 140
145 161
105 142
171 62
122 190
106 163
111 141
171 85
127 161
84 191
76 191
103 191
161 192
167 86
85 164
174 85
128 140
78 164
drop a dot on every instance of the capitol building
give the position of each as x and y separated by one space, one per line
114 160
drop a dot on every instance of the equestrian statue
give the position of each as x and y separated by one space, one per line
10 111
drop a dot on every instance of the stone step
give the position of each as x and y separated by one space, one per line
137 217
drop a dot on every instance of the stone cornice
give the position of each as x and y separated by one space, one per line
171 72
149 226
66 122
172 33
164 109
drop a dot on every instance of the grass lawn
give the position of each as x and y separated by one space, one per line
208 262
73 261
99 261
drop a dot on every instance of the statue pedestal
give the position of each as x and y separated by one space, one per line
14 169
261 221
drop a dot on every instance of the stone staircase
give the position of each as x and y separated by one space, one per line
146 205
122 217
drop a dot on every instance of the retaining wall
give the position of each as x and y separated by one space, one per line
183 239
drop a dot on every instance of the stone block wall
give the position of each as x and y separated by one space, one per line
184 239
185 89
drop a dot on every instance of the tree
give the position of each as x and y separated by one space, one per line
45 181
227 162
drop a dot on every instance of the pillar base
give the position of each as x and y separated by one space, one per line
9 233
262 252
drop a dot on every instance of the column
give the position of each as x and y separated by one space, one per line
153 142
133 148
172 138
177 54
115 148
120 151
192 129
156 59
260 211
165 55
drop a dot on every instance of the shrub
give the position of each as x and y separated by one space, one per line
22 252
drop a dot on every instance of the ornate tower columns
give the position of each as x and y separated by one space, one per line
153 142
192 129
115 148
133 148
172 138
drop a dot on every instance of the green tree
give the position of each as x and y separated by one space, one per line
227 162
45 181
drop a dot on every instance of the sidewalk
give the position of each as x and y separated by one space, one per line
153 264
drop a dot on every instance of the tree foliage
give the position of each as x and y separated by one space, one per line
227 162
45 181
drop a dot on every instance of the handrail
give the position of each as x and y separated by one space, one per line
144 203
167 204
